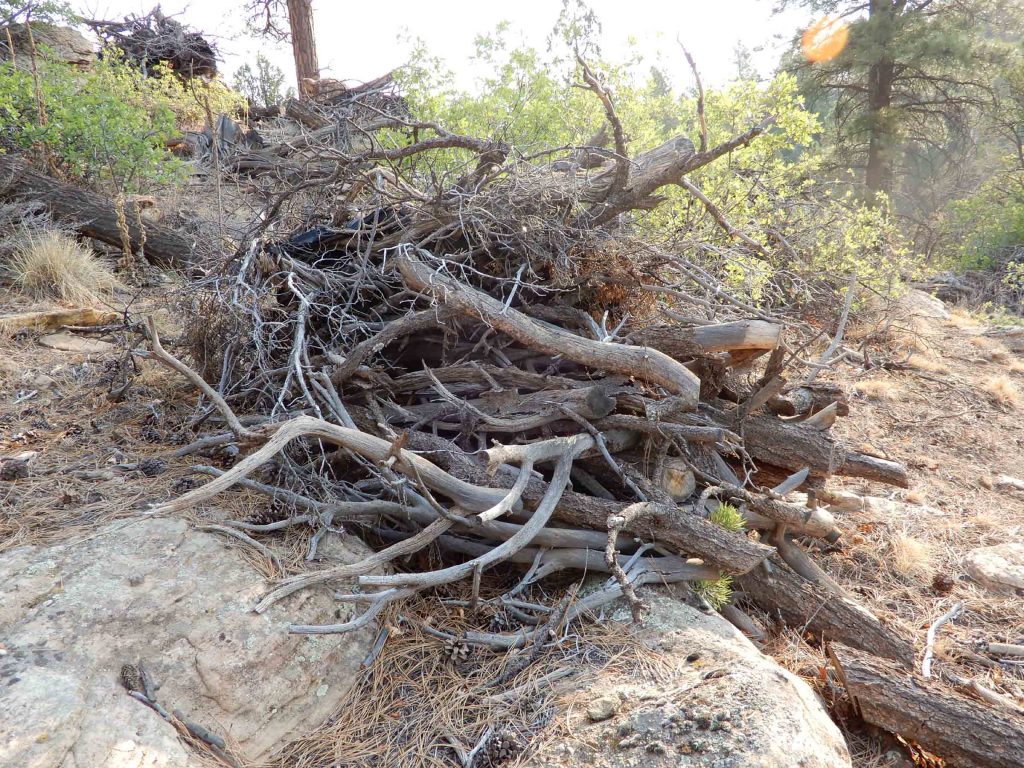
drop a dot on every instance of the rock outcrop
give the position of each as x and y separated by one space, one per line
719 703
179 599
60 43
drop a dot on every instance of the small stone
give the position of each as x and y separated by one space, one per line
42 381
602 708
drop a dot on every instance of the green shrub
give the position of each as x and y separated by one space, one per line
108 125
772 190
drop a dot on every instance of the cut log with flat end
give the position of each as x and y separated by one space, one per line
963 731
780 591
683 342
802 401
646 364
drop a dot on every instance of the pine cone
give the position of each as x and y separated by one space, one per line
457 650
501 622
262 516
131 678
152 467
503 747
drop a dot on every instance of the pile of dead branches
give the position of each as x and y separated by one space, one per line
494 366
155 38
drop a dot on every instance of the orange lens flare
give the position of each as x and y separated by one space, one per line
824 39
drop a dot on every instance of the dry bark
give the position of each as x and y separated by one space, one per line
647 364
780 591
92 214
52 319
962 730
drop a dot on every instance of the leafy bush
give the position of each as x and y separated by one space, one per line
770 190
108 125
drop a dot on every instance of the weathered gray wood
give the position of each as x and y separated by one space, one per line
806 400
647 364
683 342
794 446
672 525
963 731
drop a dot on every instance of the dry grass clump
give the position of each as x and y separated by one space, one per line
1016 367
877 389
992 350
52 264
911 557
962 318
916 496
1003 391
926 363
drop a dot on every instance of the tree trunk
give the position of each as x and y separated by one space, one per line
300 20
881 74
93 215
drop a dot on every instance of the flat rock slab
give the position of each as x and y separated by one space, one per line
999 568
717 702
181 600
67 342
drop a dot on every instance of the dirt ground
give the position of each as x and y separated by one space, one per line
102 430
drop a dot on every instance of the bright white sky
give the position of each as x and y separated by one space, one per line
359 40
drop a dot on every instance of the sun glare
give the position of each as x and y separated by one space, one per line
824 39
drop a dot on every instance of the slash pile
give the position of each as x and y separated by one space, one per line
493 362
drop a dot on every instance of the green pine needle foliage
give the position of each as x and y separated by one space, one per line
717 592
727 516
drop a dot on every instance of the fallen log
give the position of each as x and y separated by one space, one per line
93 215
808 400
52 319
795 446
302 113
962 730
806 606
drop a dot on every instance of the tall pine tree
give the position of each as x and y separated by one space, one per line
912 74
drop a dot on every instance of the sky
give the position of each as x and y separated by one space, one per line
359 41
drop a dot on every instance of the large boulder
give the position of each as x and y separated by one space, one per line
59 43
181 600
717 702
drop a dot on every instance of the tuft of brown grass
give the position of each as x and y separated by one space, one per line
991 350
51 264
962 318
915 496
877 389
911 557
927 363
1003 391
